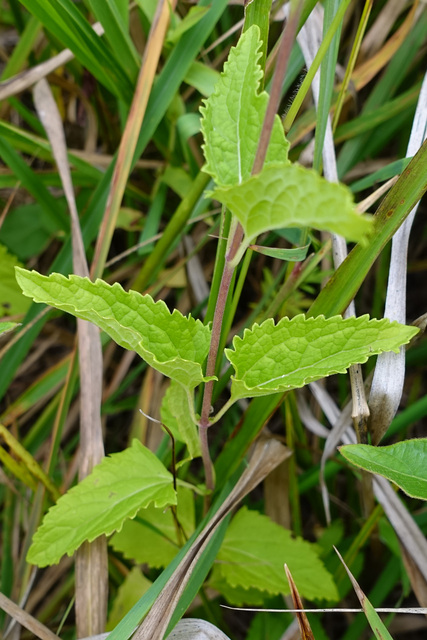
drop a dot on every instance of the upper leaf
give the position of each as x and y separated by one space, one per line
404 463
271 358
115 490
254 551
283 195
234 114
173 344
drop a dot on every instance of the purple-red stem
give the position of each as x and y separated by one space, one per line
227 274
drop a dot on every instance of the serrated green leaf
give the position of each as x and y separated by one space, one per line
175 414
271 358
12 302
404 463
234 114
255 550
130 591
283 195
152 536
8 326
173 344
116 490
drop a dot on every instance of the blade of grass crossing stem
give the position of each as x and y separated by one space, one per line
302 92
374 620
63 19
352 61
327 78
340 290
129 139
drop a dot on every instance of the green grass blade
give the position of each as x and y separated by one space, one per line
62 18
396 206
19 56
12 159
302 92
108 14
327 79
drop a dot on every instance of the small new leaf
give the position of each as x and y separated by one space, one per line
8 326
115 490
233 117
271 358
284 195
175 414
173 344
404 463
254 551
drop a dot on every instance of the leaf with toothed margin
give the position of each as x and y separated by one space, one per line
283 195
173 344
277 357
233 116
116 490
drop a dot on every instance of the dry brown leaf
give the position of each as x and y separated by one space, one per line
304 625
26 620
91 559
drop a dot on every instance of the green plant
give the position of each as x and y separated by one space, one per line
270 358
170 503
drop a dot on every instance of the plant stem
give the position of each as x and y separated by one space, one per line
236 235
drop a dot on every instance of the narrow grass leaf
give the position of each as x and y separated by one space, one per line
375 622
62 18
271 358
115 490
404 463
171 343
117 34
343 285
